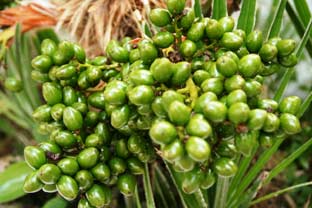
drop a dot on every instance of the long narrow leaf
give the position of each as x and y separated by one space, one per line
279 192
197 9
277 20
148 188
246 20
287 161
305 105
57 201
299 25
254 171
188 200
12 180
219 9
242 168
289 72
303 10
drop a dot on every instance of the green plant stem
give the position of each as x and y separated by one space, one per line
242 168
161 194
254 171
197 9
305 105
304 40
277 20
176 185
165 184
289 72
221 192
279 192
287 161
148 188
200 198
128 201
137 197
283 84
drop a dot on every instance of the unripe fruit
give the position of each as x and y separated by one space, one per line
290 123
99 195
88 157
49 173
225 167
34 156
32 183
13 84
254 41
162 132
197 149
290 105
160 17
67 187
126 184
215 111
238 113
173 151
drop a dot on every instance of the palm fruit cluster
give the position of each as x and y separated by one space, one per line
191 94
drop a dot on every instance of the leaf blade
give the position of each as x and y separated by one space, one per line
219 9
277 20
12 180
247 17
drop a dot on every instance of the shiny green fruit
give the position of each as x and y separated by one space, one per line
238 113
42 63
34 156
290 123
126 184
120 116
99 195
163 39
181 72
198 126
162 132
272 123
225 167
101 172
254 41
175 6
48 47
256 119
32 183
285 47
215 111
179 113
141 95
88 157
268 52
68 166
187 48
148 52
231 41
72 118
13 84
173 151
67 187
196 32
197 149
250 65
290 105
227 66
161 69
65 139
214 29
42 113
49 173
84 179
160 17
227 23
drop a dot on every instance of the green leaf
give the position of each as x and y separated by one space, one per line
12 180
148 188
221 192
246 20
305 105
197 9
254 171
279 192
188 200
219 9
289 72
300 27
303 10
277 20
287 161
56 202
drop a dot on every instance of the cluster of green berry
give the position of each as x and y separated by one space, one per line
191 94
84 154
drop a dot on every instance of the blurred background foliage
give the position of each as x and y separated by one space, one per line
93 23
